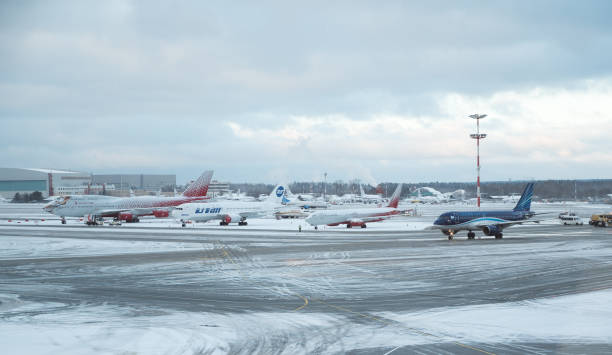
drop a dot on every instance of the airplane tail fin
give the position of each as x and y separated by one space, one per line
200 186
524 204
395 197
277 195
361 190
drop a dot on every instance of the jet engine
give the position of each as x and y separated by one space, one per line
128 217
491 230
230 218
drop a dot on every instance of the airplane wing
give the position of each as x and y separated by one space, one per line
255 214
507 223
133 211
371 219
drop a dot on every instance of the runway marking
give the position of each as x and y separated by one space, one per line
228 254
304 305
389 352
386 321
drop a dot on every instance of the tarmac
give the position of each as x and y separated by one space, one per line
281 291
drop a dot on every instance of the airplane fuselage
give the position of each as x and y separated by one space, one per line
344 216
474 220
84 205
237 210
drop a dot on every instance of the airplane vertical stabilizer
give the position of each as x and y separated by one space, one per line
395 197
277 196
200 186
524 204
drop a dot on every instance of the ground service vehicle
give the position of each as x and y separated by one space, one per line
570 218
601 220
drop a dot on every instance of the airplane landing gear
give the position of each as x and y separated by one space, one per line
63 220
499 235
450 233
363 226
471 235
242 223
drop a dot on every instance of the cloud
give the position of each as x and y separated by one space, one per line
271 89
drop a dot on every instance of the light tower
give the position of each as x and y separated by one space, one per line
478 136
325 186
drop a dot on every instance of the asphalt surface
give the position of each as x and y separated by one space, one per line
355 278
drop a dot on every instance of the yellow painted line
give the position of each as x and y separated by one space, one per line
473 348
382 320
302 306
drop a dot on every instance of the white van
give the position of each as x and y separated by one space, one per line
570 218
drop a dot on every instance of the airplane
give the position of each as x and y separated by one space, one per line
357 217
491 223
230 211
507 198
128 209
430 195
365 198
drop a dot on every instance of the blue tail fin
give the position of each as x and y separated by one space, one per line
524 203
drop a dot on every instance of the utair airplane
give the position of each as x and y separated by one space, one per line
491 223
356 217
94 207
231 211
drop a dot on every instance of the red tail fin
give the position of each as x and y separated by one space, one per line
200 186
395 197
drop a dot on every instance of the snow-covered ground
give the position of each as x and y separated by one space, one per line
49 328
157 288
23 247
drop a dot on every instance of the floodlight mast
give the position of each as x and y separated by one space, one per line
478 136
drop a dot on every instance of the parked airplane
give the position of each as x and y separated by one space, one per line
304 201
431 195
229 211
93 207
507 198
356 217
490 222
365 198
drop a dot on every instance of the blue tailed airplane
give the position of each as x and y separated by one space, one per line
490 222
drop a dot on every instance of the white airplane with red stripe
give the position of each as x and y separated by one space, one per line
128 209
357 217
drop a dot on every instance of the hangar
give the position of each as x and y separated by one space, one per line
47 181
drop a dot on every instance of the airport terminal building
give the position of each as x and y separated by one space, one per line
47 181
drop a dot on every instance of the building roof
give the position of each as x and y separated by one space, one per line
52 171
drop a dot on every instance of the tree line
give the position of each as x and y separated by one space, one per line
595 189
35 196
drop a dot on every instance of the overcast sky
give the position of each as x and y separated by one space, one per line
284 91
